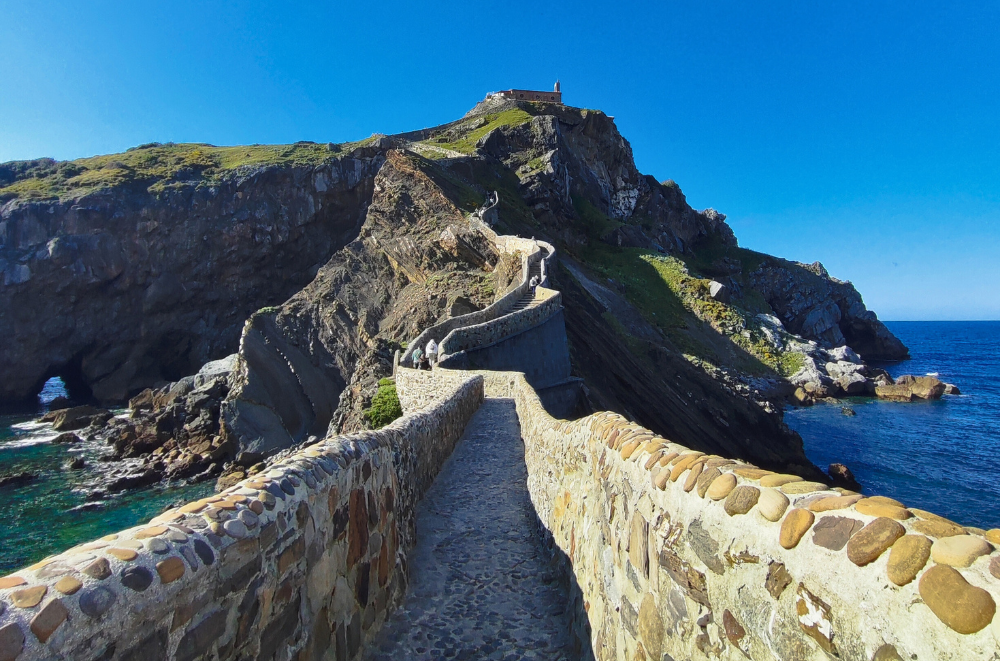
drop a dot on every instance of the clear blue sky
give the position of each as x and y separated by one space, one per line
864 135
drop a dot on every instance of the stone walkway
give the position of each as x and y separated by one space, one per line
481 585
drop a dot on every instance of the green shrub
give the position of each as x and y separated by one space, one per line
385 405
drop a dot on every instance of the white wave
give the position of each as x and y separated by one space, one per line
933 374
31 425
27 441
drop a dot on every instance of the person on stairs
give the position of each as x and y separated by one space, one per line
432 350
417 357
533 283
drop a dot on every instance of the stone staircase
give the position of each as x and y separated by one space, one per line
529 299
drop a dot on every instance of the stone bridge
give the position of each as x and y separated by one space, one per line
481 525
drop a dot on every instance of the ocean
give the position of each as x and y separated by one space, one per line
942 456
50 513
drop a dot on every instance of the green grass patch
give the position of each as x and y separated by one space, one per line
596 224
672 299
385 405
463 137
712 258
155 167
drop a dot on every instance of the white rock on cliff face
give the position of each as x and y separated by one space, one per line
843 354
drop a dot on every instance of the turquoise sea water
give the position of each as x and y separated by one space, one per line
50 513
942 456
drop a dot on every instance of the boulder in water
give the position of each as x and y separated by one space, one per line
16 479
134 481
67 437
842 476
60 403
908 388
801 397
76 417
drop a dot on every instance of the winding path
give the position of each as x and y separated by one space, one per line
481 584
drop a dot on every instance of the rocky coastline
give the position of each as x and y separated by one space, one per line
353 249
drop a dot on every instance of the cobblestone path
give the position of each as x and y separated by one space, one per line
481 585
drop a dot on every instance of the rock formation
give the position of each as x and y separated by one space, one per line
142 281
908 388
154 273
818 307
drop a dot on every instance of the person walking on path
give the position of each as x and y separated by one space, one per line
417 357
533 283
432 350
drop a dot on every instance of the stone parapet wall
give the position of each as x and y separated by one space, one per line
418 389
303 561
491 332
680 555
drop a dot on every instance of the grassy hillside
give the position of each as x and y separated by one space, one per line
156 166
663 288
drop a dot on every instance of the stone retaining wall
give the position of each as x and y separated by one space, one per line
303 561
684 556
490 332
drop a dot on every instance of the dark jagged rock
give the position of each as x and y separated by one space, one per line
841 476
133 481
67 437
175 428
16 479
60 402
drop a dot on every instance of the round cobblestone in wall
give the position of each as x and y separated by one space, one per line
721 486
907 557
872 540
795 525
963 607
741 499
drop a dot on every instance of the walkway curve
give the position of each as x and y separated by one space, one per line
482 586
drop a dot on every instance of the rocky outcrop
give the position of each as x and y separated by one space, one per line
314 362
569 162
158 284
657 387
908 388
77 417
122 288
811 303
175 429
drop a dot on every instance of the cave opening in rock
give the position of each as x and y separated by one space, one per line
64 381
53 388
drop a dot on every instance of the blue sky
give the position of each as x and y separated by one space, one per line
863 135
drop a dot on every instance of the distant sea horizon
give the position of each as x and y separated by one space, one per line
942 456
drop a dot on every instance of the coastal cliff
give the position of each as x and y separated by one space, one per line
123 272
315 263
